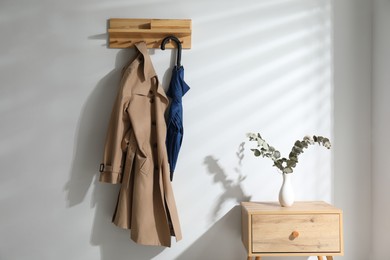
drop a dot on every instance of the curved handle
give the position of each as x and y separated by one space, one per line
179 47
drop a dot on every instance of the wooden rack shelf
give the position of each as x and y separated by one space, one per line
124 33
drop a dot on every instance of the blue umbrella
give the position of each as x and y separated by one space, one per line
177 89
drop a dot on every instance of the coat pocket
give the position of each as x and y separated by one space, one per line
143 164
129 163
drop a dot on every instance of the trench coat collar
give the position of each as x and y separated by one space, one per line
148 69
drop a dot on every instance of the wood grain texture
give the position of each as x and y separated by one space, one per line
299 207
305 229
246 229
124 33
318 233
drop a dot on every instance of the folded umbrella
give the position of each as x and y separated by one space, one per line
177 89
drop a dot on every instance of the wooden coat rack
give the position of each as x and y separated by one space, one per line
124 33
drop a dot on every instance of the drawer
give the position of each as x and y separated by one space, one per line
315 233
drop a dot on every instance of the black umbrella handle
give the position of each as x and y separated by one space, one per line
178 43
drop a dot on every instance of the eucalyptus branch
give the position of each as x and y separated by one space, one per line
285 165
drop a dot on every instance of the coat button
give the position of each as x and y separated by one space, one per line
155 145
153 123
151 100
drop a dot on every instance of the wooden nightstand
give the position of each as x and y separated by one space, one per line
312 228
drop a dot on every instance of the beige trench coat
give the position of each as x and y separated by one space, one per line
135 156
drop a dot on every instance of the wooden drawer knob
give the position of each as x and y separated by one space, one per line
294 234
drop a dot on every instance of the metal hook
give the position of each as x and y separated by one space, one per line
178 43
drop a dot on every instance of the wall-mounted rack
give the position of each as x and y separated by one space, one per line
124 33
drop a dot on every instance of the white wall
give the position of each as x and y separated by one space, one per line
254 66
381 130
352 122
361 58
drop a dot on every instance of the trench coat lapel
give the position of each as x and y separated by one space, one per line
149 72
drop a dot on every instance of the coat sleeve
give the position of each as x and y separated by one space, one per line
114 151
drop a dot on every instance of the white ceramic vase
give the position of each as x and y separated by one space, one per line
286 193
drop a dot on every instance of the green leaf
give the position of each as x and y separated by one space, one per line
285 165
297 150
299 144
278 164
291 164
256 152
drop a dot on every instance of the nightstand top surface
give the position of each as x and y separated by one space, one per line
299 207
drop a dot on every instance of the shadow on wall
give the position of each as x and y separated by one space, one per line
91 132
232 190
114 242
221 241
